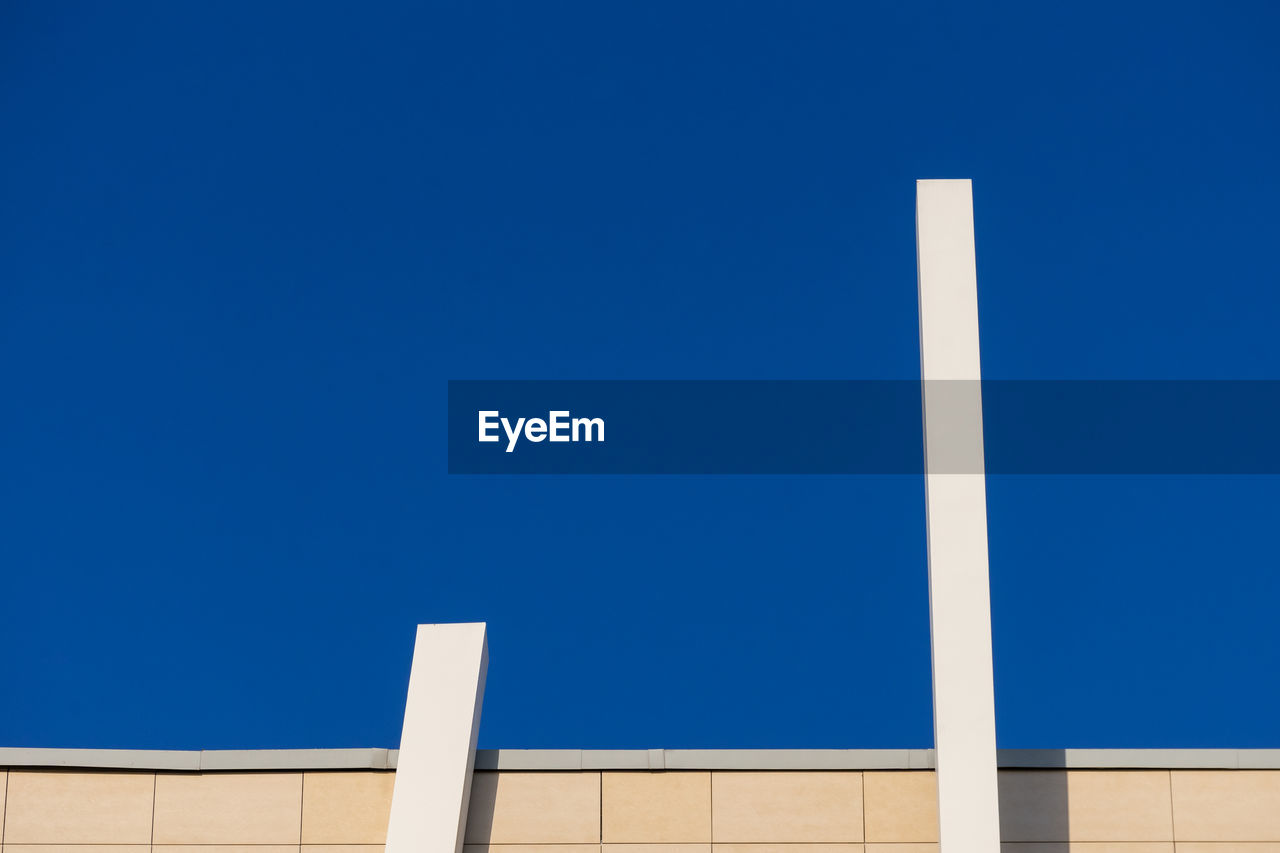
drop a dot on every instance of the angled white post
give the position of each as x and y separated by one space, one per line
964 721
438 740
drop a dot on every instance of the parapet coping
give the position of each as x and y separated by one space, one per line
637 759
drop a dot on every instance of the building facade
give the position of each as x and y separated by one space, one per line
636 801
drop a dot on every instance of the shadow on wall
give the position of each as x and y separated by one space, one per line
484 797
480 810
1034 805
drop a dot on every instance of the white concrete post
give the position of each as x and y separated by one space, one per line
438 740
964 721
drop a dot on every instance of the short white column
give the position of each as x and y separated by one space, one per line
438 740
964 720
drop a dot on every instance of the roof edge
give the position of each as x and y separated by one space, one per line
634 759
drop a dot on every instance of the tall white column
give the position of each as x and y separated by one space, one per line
438 740
964 721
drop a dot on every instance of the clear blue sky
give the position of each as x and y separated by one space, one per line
244 246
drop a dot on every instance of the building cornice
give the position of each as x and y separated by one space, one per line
633 759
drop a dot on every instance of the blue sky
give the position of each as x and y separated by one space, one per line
243 247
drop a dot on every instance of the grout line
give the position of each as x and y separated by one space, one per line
302 799
4 815
863 789
155 783
711 784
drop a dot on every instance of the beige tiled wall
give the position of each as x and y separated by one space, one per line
534 808
656 808
228 809
1042 811
78 808
51 811
901 807
785 807
346 808
1226 805
1085 806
